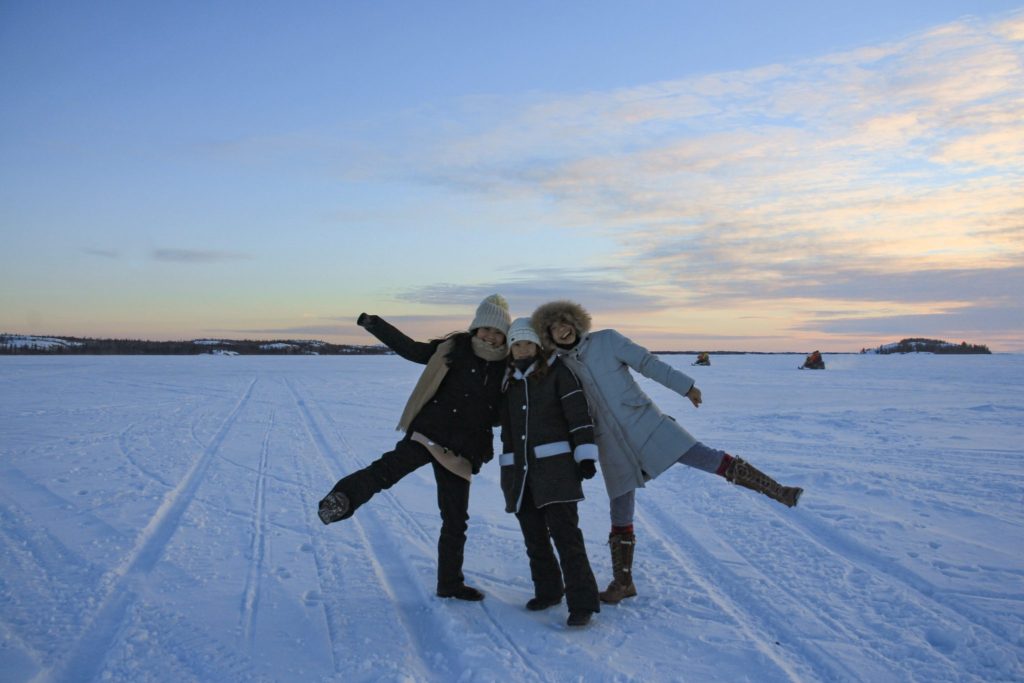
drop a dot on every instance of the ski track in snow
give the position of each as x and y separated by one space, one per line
194 551
86 656
404 585
250 602
942 603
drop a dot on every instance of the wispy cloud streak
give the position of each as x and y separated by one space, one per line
195 256
905 157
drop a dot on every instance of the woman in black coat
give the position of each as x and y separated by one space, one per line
447 422
548 442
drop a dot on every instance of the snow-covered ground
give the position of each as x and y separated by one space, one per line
157 523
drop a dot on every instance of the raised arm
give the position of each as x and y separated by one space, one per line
394 339
652 367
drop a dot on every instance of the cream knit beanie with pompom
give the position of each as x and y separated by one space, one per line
492 312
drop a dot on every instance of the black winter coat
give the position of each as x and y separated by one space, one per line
465 407
545 430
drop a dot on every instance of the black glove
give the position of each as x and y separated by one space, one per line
587 469
365 320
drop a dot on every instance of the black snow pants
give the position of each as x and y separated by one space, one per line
452 502
560 522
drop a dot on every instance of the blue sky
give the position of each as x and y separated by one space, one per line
743 176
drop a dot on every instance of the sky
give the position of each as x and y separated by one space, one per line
747 176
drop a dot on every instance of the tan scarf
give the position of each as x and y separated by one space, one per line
437 368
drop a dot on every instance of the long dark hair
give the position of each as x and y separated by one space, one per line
462 347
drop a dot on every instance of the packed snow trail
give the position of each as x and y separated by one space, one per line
158 523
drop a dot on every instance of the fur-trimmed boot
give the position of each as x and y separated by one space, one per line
740 472
622 546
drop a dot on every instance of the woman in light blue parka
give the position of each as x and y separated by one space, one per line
636 441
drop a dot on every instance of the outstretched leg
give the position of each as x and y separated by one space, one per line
742 473
739 472
357 488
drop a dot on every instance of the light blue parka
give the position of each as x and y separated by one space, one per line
636 441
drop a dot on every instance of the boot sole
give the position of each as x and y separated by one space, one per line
334 507
609 601
465 597
796 498
542 604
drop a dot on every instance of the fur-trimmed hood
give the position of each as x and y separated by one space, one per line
559 311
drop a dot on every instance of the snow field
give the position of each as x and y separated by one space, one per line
157 523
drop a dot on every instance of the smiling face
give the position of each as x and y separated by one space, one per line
491 335
563 333
524 349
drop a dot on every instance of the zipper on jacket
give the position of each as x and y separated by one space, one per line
526 444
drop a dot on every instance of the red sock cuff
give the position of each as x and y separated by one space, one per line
724 465
628 529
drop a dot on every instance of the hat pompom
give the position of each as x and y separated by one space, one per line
492 312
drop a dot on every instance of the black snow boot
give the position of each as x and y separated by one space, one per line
335 506
462 592
538 603
580 618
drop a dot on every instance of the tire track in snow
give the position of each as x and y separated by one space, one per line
413 523
699 564
320 553
86 655
400 582
250 599
37 608
874 563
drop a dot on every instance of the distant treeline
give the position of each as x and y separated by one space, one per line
920 345
30 345
734 353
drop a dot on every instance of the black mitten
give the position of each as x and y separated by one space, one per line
366 320
587 469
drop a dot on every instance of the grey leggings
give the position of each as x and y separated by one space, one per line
699 456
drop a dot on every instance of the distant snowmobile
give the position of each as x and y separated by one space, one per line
813 362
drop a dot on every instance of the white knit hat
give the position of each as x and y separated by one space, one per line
522 330
492 312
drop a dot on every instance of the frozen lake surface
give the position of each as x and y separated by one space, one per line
158 523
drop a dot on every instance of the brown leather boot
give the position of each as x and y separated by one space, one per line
622 546
742 473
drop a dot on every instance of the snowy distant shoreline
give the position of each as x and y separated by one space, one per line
22 344
14 344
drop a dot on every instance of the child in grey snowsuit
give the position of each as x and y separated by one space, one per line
548 443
